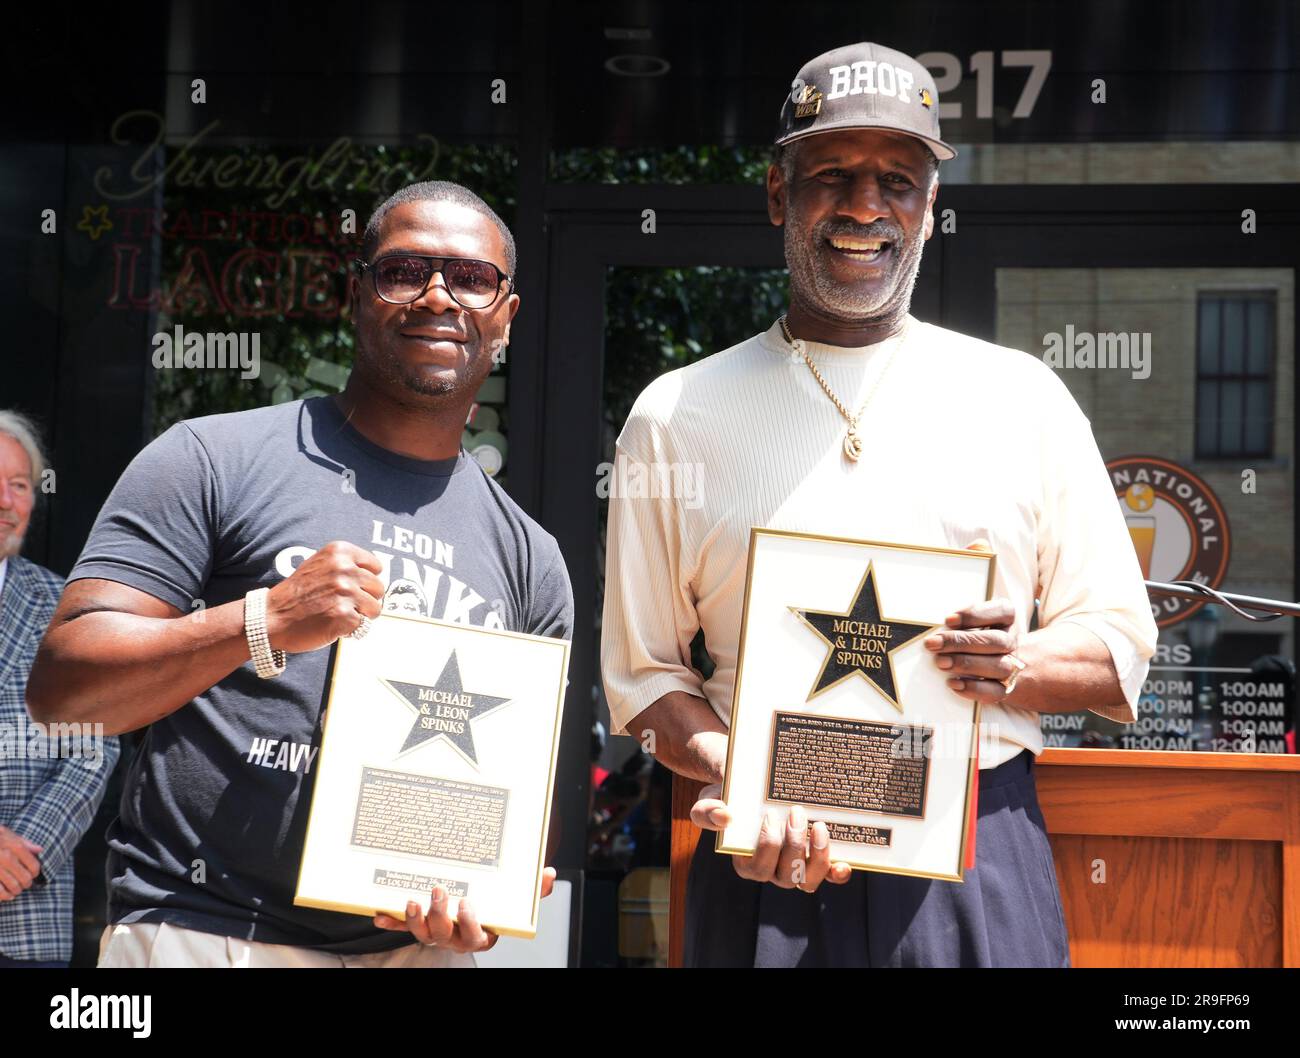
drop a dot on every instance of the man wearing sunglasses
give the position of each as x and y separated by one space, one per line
236 548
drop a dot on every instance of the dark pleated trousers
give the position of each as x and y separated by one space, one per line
1006 913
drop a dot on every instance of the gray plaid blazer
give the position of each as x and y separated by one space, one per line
48 793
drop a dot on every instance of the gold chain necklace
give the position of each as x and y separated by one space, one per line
852 442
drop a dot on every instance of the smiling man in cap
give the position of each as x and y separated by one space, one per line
849 417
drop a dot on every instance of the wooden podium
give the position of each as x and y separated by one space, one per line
1163 858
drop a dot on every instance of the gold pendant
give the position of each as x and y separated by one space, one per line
852 445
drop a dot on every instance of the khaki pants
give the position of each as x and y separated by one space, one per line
146 944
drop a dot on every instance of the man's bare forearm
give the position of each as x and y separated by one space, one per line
687 736
1068 669
126 671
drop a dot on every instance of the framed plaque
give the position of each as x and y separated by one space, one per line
839 707
437 765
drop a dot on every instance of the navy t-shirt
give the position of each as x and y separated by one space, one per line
214 811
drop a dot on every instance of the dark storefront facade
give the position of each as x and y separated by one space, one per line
1123 169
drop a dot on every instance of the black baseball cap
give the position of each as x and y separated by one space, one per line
863 86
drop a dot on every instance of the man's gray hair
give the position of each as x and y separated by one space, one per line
783 157
18 426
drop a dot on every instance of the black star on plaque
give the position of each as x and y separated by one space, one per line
861 641
444 710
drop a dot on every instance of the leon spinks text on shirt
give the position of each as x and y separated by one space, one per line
27 740
440 593
75 1011
213 350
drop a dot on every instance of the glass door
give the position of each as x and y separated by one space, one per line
625 306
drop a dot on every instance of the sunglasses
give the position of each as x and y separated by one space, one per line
401 278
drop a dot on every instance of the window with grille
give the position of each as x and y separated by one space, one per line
1236 339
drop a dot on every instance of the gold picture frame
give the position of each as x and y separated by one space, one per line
399 749
924 584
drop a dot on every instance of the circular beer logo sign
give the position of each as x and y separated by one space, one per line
1177 525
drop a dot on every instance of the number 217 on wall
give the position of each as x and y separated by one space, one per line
946 69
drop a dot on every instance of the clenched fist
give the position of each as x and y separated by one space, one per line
324 598
19 866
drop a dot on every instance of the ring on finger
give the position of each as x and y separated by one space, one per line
1010 682
362 629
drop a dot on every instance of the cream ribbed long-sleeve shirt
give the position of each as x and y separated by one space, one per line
961 440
